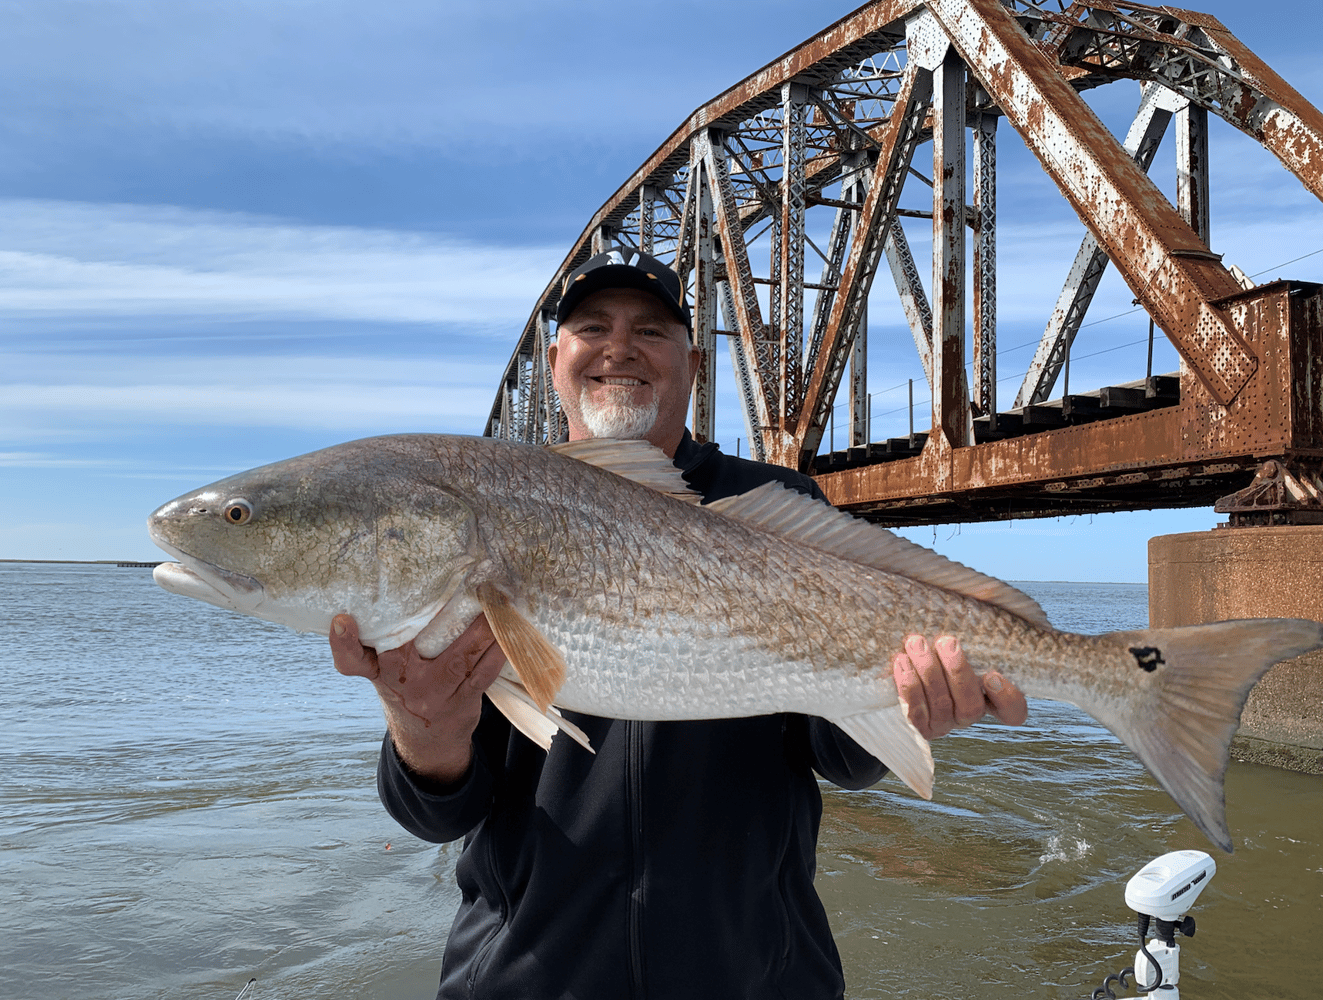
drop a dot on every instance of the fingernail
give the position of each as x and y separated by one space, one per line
917 644
947 644
338 626
993 682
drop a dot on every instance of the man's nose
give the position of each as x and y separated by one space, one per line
620 343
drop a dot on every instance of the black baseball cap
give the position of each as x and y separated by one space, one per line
624 268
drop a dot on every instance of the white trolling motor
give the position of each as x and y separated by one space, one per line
1162 893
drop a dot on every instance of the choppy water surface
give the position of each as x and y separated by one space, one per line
187 801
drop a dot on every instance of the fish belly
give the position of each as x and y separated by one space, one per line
682 670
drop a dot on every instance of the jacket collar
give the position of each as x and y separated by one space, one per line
689 454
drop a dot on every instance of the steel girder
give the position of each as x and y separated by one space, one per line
835 123
913 298
837 91
1156 106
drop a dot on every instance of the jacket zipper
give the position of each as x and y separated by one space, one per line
634 804
480 959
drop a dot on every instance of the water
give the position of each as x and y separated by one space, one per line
187 802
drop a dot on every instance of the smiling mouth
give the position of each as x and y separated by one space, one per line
629 383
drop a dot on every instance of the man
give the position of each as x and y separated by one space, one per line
678 860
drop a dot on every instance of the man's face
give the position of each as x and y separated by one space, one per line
623 367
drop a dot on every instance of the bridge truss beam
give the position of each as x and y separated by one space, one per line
731 196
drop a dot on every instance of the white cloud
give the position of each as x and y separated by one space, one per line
328 406
119 466
79 260
515 75
87 394
45 460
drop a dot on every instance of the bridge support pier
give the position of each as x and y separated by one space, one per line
1252 572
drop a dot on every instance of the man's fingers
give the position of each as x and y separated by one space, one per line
351 657
910 689
487 668
1004 699
935 688
941 692
474 648
967 705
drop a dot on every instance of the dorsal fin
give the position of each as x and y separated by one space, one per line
637 460
806 521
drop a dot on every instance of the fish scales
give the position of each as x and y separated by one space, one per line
585 553
612 598
631 600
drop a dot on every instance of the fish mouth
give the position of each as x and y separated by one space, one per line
205 581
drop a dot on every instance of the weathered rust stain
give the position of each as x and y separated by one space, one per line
1274 416
1131 218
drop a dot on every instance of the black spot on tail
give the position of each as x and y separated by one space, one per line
1147 657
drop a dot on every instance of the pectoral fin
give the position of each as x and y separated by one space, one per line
889 736
538 663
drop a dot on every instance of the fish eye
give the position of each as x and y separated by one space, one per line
238 511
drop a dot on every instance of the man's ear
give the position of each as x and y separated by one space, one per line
695 358
551 355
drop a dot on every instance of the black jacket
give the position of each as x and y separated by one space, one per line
676 862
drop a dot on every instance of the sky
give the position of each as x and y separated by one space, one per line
233 233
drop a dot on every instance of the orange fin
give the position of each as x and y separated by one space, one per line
538 663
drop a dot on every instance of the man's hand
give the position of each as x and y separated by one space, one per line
942 692
432 706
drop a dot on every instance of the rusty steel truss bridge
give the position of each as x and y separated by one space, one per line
832 128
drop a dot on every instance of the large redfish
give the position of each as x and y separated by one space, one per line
611 597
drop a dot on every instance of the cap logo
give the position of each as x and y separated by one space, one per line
616 257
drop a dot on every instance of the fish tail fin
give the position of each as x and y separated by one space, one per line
517 705
888 735
1180 725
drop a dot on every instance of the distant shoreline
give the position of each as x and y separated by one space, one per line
131 564
126 563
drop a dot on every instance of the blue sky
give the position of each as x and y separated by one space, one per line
236 232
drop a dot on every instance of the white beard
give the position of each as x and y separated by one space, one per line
621 420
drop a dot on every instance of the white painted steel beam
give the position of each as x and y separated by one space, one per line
1192 170
704 306
913 298
744 375
794 203
647 217
985 263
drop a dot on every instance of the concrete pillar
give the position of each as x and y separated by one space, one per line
1210 576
